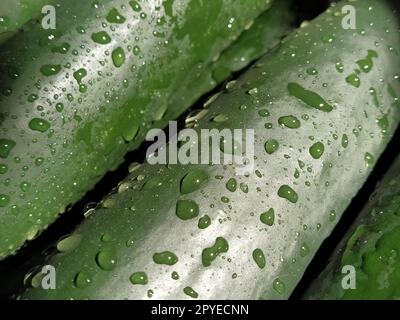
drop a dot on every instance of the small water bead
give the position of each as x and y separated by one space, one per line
175 275
204 222
25 186
263 113
231 185
317 150
166 257
139 278
268 217
186 209
115 17
339 67
353 80
312 71
32 97
193 181
118 57
310 98
50 69
190 292
6 145
288 193
345 141
4 200
259 258
369 159
69 242
220 118
332 215
106 260
210 254
290 122
82 280
279 286
3 168
101 37
40 125
244 187
304 250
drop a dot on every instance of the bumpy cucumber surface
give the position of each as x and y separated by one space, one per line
372 247
198 231
75 99
15 13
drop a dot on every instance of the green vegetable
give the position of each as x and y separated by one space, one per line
371 249
304 186
15 13
75 100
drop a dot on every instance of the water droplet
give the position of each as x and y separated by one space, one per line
193 180
38 124
310 98
69 243
82 280
339 67
268 217
190 292
50 69
106 260
369 159
25 186
271 146
165 257
304 250
289 122
135 5
3 168
279 286
187 209
366 64
259 258
345 141
80 74
101 37
138 278
244 187
220 118
118 57
175 275
6 145
288 193
317 150
115 17
210 254
204 222
353 80
312 71
263 113
4 200
231 185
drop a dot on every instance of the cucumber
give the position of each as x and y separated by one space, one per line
201 231
15 13
76 99
371 247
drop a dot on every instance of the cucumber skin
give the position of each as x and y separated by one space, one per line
139 221
18 12
371 246
91 136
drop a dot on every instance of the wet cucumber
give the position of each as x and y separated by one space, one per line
74 100
371 246
15 13
199 231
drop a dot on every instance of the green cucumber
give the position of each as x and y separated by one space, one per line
76 99
200 231
15 13
371 248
